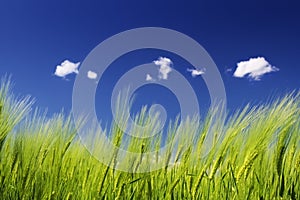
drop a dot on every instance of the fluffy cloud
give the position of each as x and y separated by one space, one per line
149 77
66 68
196 72
164 67
92 75
254 68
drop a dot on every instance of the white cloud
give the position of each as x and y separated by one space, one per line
196 72
229 70
66 68
92 75
254 68
164 67
149 78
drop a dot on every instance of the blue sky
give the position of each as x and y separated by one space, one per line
37 36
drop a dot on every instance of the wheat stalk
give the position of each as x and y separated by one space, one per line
244 169
215 167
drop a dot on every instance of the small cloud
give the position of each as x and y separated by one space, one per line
196 72
66 68
229 70
92 75
164 67
254 68
149 78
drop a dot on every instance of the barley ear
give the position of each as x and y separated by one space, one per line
247 164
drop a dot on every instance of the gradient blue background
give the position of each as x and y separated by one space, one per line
35 36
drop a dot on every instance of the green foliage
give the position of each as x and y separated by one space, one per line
12 109
258 157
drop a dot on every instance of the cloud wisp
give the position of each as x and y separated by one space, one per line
149 78
65 68
164 67
92 75
254 68
196 72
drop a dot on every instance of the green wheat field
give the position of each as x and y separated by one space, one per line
257 158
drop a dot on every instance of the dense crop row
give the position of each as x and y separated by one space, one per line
257 158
